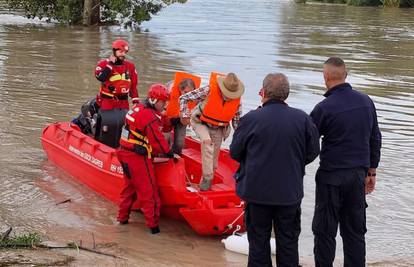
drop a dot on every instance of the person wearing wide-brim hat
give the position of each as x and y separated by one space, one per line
219 104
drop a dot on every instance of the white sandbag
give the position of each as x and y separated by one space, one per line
240 244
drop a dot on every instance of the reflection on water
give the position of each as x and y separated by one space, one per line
46 73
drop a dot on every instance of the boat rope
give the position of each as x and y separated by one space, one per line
230 225
238 228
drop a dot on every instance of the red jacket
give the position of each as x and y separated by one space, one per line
117 82
146 122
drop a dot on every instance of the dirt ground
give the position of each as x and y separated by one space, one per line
57 257
72 257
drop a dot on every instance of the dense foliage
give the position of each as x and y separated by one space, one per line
126 12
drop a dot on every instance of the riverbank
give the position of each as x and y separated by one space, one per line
62 257
93 250
70 257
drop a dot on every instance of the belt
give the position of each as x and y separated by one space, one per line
211 125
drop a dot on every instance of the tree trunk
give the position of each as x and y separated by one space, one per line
91 12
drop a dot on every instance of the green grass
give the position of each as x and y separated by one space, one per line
19 241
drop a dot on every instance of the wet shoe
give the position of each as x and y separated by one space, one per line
205 185
123 222
155 230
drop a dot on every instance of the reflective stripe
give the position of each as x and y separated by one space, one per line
129 117
117 84
140 136
115 77
118 77
139 143
106 93
136 139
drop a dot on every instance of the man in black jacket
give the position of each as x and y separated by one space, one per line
350 154
273 144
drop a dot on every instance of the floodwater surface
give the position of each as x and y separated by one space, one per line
46 73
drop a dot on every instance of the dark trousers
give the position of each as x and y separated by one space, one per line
179 136
286 223
340 198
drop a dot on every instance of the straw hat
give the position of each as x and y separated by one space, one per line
230 86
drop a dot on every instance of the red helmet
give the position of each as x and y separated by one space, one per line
159 92
120 45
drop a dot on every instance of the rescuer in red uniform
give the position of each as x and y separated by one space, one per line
141 141
118 78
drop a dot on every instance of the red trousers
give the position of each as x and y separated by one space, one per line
140 183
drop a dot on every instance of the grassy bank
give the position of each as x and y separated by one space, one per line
20 241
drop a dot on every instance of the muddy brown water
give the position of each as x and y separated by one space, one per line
46 73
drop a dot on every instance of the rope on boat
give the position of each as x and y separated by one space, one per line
230 225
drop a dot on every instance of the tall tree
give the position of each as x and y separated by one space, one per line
88 12
91 12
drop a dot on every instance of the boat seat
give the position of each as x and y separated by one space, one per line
195 156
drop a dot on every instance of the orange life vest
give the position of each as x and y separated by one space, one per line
117 85
173 106
217 111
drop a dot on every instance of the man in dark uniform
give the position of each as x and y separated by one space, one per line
350 154
273 144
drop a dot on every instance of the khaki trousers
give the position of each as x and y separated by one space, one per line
211 139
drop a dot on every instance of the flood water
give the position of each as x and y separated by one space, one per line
46 73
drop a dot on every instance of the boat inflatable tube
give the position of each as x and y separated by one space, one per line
240 244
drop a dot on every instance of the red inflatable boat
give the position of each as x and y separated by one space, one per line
215 212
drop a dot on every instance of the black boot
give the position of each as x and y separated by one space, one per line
155 230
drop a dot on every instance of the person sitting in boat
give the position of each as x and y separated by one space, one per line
182 84
140 142
219 104
87 118
118 78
